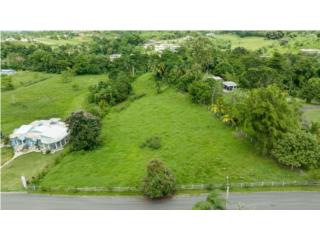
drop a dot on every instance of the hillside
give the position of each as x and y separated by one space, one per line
198 148
41 96
37 96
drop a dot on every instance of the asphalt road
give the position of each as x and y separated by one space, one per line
258 201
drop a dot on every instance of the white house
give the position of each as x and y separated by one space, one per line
8 71
41 135
114 56
229 86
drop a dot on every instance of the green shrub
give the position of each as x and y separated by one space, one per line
159 181
213 202
203 205
153 143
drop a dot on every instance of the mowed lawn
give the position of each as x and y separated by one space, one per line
312 115
198 148
6 154
251 43
37 96
42 96
28 165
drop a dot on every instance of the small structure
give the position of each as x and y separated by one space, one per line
114 56
8 71
40 136
160 46
217 78
229 86
310 51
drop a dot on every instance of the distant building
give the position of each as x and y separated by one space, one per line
217 78
229 86
41 135
115 56
310 51
159 46
8 71
163 46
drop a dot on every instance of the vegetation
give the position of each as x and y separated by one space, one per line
6 154
84 131
159 181
29 165
311 90
42 99
213 202
298 149
195 146
144 96
153 143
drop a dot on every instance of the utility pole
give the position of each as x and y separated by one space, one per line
227 191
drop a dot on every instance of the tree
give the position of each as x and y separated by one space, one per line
112 91
297 149
268 113
259 77
205 91
84 130
159 181
311 90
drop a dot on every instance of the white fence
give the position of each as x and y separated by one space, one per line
179 187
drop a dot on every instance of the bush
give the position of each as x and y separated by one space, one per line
153 143
203 205
159 181
297 149
213 202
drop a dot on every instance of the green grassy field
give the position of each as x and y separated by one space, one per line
6 154
270 46
38 100
251 43
312 115
28 165
198 148
42 99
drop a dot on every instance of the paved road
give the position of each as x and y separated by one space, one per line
259 201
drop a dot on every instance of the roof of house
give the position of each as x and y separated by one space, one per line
48 131
229 83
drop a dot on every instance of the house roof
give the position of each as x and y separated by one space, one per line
229 83
48 131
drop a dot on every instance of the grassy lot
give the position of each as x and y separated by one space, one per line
6 154
312 115
42 99
198 148
28 165
251 43
270 46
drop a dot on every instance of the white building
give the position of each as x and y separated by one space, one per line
114 56
8 71
41 135
310 51
160 46
229 86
